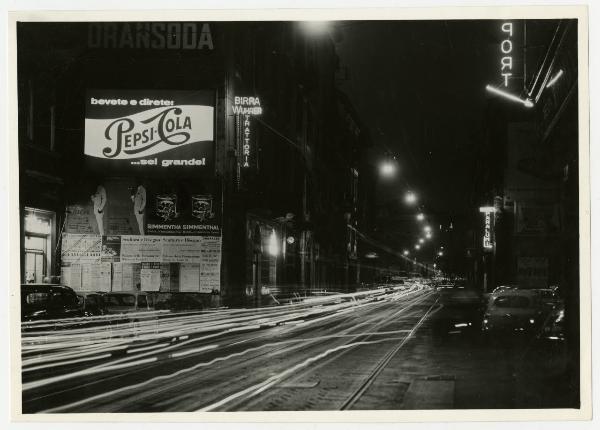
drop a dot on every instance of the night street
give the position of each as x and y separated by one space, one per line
299 215
370 350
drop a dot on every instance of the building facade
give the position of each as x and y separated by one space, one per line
214 158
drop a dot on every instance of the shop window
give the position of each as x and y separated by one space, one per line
38 244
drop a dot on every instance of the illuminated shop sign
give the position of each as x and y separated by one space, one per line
150 35
506 50
488 240
150 129
245 108
246 142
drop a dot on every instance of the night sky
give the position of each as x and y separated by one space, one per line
420 89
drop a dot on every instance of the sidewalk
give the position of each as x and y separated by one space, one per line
463 372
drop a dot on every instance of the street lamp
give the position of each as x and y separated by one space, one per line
410 198
420 217
405 252
417 246
427 229
555 78
387 168
421 240
273 244
315 28
441 254
428 235
526 102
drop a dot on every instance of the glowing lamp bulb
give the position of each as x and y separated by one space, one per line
273 244
410 198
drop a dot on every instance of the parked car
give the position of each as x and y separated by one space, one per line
513 310
48 301
178 301
551 352
118 302
548 297
461 310
501 288
91 303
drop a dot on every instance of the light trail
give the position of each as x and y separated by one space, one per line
300 343
155 336
67 362
262 386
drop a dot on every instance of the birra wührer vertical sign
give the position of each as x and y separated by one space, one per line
244 108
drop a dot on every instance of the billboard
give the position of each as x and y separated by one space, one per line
152 206
150 132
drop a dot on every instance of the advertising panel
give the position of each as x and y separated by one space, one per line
182 208
81 248
153 263
150 132
117 277
150 275
537 219
145 203
144 206
532 272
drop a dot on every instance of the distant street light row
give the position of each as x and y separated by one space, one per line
388 169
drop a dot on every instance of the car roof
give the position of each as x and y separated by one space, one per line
514 292
122 293
46 286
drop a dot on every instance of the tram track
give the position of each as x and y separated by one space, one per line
243 400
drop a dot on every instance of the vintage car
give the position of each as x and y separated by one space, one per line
460 312
91 303
118 302
48 301
513 310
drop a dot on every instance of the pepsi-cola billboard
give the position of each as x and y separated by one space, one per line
150 132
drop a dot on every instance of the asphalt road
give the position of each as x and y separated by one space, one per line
372 350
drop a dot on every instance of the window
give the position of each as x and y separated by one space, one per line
63 298
38 226
120 300
512 302
36 298
142 302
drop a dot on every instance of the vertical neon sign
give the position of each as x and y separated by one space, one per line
488 240
245 108
506 48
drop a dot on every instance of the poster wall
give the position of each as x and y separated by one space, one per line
146 201
149 263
